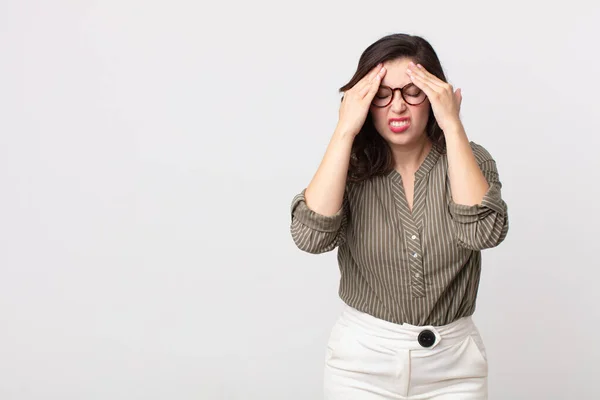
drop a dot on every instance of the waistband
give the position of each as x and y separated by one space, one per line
406 334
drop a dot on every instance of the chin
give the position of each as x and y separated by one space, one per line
400 139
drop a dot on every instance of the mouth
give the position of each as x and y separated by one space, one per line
398 125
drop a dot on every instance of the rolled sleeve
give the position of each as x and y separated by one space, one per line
483 225
313 232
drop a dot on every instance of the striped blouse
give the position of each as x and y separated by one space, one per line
420 267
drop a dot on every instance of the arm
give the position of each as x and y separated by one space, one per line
476 205
319 213
479 213
467 181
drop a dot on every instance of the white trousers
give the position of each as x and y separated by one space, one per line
369 358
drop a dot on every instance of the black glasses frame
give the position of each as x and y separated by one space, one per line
401 94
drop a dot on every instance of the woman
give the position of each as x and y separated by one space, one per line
409 202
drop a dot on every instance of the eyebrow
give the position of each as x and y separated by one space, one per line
397 87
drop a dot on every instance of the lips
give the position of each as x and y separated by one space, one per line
398 125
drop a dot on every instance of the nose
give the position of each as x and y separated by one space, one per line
398 104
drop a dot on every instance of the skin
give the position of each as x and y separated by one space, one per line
468 184
325 192
411 146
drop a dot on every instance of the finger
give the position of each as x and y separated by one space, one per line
458 95
419 70
369 91
373 73
373 84
368 79
422 78
423 85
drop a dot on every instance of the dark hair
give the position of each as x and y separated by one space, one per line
371 155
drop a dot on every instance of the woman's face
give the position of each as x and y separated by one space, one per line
400 123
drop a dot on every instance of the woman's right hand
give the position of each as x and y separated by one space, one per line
357 101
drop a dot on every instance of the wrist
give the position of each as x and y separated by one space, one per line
343 134
453 127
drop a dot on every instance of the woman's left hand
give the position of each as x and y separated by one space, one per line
445 102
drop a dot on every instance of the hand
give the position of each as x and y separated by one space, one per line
357 100
445 102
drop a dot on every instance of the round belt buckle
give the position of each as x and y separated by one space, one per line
426 338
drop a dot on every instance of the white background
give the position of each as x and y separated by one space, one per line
149 152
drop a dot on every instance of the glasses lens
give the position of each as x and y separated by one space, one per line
413 95
382 97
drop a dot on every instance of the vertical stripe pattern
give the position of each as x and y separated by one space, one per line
419 266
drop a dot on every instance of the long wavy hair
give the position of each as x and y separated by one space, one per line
371 155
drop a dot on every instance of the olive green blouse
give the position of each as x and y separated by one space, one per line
420 267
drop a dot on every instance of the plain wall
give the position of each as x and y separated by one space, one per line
149 153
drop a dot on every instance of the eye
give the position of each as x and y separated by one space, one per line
382 93
412 91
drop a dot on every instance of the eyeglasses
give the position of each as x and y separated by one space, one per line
410 93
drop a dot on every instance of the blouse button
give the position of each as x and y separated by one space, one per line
414 237
415 255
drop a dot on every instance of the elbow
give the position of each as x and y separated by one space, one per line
310 248
312 242
486 237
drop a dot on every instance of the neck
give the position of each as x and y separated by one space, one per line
408 158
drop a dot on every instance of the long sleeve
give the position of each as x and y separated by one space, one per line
484 225
315 233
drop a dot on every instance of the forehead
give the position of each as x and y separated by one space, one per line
396 75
